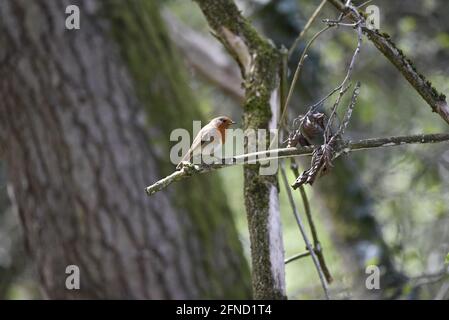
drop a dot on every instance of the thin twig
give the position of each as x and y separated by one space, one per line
382 41
346 79
343 86
304 234
297 256
347 117
306 27
299 67
295 78
313 231
206 57
345 147
363 4
348 114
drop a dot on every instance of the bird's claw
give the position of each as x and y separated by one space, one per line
187 167
183 164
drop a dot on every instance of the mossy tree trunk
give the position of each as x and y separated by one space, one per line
79 151
259 63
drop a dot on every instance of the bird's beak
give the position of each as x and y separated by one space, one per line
233 122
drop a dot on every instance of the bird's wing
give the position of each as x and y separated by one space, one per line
204 137
208 136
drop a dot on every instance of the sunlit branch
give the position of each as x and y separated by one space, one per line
345 147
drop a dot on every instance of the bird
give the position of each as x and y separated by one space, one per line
209 139
312 131
312 127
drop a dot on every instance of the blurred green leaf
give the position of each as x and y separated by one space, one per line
443 39
407 24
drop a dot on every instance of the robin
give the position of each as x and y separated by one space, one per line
209 139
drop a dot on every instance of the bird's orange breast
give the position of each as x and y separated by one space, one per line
222 129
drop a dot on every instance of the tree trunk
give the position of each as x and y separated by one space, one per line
259 63
79 154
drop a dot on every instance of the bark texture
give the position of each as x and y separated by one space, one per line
73 129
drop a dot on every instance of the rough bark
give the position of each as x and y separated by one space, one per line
79 154
259 63
12 257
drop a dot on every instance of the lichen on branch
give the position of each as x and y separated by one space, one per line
260 63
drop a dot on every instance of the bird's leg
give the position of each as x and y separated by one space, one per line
186 166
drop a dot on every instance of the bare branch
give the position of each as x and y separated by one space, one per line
309 247
298 70
344 85
316 242
345 147
383 42
206 57
306 27
345 122
297 256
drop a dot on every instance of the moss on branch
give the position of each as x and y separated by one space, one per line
260 64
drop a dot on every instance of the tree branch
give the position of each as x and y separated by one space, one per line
383 42
297 256
255 157
306 27
206 57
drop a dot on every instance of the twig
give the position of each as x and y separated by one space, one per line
285 101
206 57
348 114
347 146
383 42
346 79
303 233
306 27
342 87
298 69
347 117
316 241
392 141
297 256
364 4
430 279
439 274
